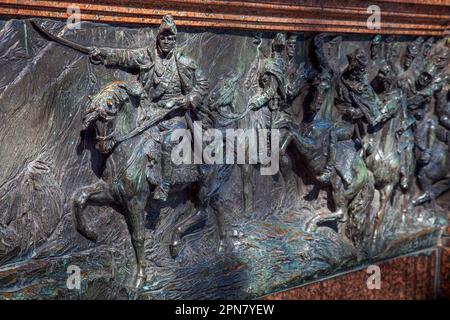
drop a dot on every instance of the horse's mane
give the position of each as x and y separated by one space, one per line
221 95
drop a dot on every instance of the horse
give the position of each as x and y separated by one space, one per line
434 161
383 157
127 179
351 186
319 138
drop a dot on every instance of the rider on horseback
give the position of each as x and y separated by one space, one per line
171 81
356 99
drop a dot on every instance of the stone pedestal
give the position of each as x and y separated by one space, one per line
418 276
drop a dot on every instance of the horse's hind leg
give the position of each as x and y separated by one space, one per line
426 185
285 142
385 196
96 194
248 187
182 226
191 220
218 210
340 202
440 187
134 216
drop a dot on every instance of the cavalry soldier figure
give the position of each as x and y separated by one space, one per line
171 81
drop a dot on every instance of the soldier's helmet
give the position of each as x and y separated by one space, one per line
426 76
414 47
358 58
167 25
279 42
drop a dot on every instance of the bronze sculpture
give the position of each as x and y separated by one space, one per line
169 84
170 80
364 157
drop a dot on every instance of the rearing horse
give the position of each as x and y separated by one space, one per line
383 159
125 183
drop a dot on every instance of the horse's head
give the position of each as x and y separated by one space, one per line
224 91
220 99
101 113
322 86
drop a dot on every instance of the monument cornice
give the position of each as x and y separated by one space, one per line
398 17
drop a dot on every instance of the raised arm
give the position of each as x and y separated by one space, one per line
129 58
268 92
200 89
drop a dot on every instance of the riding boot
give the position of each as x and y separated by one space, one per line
162 191
328 171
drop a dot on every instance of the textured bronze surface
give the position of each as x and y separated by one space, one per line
350 16
348 137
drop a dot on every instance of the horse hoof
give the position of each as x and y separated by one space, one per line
421 199
140 280
311 226
223 246
139 283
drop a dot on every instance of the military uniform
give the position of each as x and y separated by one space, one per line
171 82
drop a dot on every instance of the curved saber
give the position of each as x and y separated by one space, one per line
62 41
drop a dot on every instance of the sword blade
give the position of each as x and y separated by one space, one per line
145 125
62 41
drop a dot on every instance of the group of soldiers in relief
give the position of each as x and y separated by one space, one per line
359 131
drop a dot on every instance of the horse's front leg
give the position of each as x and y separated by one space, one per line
340 202
285 142
248 188
96 194
182 227
218 210
134 216
385 196
426 186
